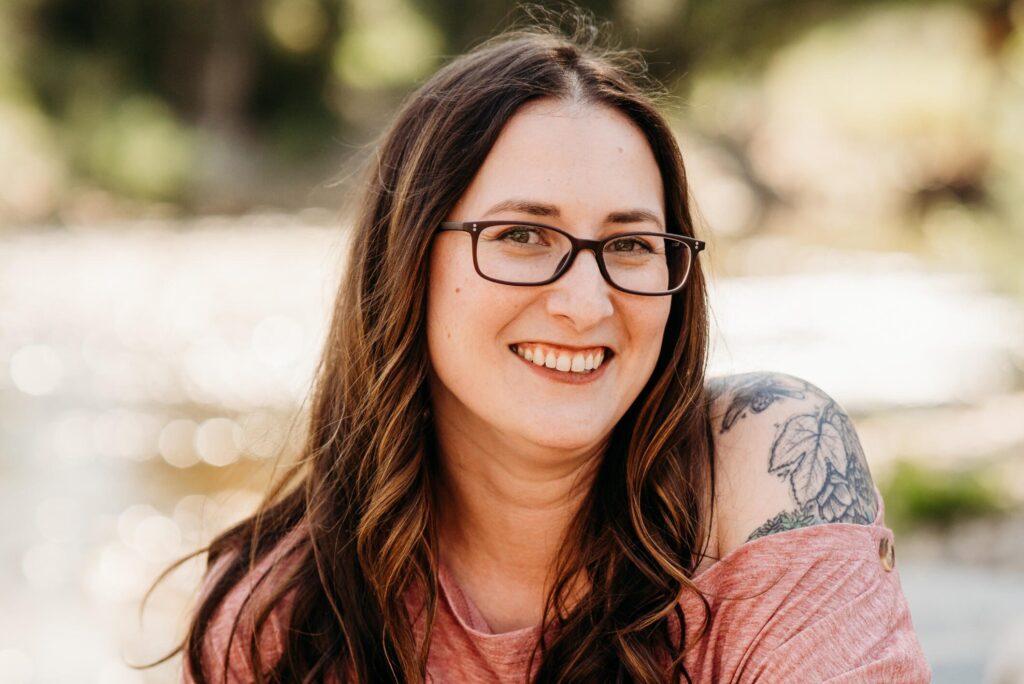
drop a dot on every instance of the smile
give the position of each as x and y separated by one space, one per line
582 361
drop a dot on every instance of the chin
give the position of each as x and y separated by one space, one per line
560 421
555 436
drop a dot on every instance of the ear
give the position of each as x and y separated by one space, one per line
787 456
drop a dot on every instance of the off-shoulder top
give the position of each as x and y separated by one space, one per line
814 604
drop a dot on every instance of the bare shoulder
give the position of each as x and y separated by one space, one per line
787 456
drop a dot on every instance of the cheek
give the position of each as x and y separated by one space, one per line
446 282
649 327
464 314
442 324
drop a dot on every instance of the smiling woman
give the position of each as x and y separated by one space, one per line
583 161
510 470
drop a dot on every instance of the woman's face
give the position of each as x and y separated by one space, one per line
580 165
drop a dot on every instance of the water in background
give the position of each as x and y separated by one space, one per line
152 375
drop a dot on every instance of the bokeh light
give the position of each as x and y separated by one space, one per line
177 443
36 369
116 574
219 441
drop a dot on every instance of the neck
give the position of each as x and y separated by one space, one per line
504 512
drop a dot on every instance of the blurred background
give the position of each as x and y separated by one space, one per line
172 178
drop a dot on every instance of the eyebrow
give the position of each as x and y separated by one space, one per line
532 208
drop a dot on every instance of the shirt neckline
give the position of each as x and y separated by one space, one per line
473 622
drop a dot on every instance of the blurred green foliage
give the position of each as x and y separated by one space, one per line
216 105
917 495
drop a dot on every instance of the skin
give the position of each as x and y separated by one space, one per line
787 457
518 450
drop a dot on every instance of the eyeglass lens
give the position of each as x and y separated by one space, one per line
532 254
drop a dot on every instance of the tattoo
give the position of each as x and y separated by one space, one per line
816 450
754 392
787 520
821 456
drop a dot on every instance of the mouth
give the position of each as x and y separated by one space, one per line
566 362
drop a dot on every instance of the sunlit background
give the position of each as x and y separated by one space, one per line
172 178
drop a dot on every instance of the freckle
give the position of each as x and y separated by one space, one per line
457 290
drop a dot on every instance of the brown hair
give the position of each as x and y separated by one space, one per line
365 497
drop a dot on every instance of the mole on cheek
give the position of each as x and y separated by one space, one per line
457 290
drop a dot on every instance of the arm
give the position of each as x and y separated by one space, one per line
821 603
788 457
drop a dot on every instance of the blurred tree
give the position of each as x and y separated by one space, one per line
240 71
253 77
230 63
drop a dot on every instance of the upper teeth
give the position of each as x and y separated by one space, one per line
560 359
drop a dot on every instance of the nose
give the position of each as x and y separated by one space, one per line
581 295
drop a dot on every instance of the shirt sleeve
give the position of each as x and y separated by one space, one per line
816 604
843 621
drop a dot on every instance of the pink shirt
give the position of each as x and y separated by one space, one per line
815 604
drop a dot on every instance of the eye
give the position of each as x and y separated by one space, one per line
631 245
522 235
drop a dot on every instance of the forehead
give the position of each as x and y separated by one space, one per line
587 159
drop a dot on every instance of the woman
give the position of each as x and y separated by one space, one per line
512 434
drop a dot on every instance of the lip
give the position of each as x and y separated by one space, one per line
566 346
565 377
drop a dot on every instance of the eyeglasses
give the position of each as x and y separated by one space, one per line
525 253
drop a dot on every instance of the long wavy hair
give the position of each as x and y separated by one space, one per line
365 491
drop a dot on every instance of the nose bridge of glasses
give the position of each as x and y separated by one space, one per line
573 256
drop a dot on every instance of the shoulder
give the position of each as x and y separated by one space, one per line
786 456
227 635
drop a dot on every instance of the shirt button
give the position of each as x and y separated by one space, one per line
887 554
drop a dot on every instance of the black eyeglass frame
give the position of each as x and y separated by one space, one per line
474 228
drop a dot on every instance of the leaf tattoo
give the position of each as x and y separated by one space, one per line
821 456
816 451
